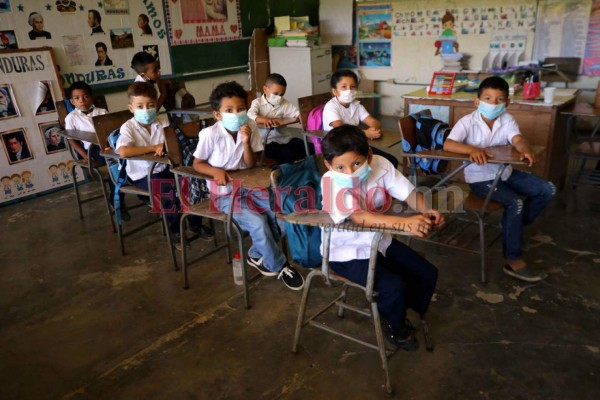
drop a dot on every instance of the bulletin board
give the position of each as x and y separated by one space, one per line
93 41
33 159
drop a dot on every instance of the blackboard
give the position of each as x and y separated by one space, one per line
229 57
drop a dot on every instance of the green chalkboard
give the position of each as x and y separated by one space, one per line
227 57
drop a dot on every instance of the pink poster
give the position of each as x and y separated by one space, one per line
591 60
202 21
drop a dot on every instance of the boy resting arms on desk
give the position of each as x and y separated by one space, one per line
403 278
231 144
523 195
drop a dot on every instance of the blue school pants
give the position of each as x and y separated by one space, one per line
524 196
402 279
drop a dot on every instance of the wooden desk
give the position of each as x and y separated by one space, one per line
388 138
502 155
142 157
75 134
542 124
584 110
283 122
251 178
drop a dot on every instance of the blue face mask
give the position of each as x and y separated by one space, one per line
232 122
346 181
491 111
145 117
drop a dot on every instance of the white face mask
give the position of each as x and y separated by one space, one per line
347 96
274 99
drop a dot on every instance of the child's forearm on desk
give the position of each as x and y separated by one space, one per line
130 151
458 147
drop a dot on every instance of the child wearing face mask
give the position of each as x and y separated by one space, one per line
345 109
269 109
143 134
523 195
147 70
232 143
357 186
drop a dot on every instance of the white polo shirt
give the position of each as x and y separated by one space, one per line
347 245
134 134
262 108
472 130
334 111
81 121
220 150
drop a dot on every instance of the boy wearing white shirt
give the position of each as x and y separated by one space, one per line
140 135
231 144
403 278
269 109
523 195
147 70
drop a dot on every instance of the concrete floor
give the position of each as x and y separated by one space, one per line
79 321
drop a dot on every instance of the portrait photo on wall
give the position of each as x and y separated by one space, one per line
102 53
16 147
66 6
8 40
36 21
94 21
44 98
116 6
53 141
121 38
8 104
194 11
144 24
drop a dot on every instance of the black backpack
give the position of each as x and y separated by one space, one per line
431 135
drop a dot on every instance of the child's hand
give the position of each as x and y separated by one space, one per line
373 133
246 133
529 156
271 122
436 218
420 225
221 177
158 150
480 156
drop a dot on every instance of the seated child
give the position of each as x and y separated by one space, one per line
403 278
268 110
231 144
345 109
142 134
523 195
147 70
81 119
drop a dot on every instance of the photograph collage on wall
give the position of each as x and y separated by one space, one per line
8 102
468 20
16 146
374 34
53 141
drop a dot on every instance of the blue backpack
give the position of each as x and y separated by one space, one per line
116 168
304 241
431 135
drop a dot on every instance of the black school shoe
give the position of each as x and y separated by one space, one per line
402 338
204 232
290 277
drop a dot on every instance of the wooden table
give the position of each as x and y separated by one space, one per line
584 110
388 139
76 134
250 178
542 124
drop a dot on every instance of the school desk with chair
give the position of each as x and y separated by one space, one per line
250 178
480 208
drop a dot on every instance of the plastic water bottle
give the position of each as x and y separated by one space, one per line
238 279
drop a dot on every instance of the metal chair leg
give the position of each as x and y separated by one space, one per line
240 238
184 265
76 188
106 197
120 233
426 337
482 247
170 240
381 347
302 310
343 300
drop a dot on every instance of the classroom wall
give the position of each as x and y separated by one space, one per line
413 59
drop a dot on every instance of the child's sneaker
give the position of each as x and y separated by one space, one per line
258 264
527 273
402 338
290 277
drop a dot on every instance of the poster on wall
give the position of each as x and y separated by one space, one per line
374 32
93 41
591 60
193 21
34 158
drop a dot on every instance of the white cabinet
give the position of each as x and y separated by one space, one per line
307 70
